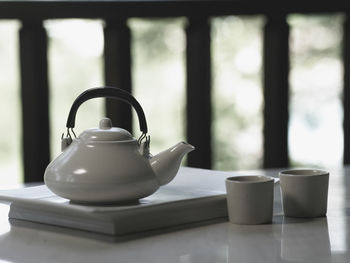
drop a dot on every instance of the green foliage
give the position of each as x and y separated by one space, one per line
237 100
316 88
10 112
158 47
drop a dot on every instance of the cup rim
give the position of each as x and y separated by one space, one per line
303 172
249 179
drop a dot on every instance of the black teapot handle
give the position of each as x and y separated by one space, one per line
107 92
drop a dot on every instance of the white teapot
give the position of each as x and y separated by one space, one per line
107 164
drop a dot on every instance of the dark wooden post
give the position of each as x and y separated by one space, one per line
34 94
346 90
276 89
199 91
117 58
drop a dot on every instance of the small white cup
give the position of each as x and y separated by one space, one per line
250 199
304 192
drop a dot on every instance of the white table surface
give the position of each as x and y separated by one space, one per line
285 240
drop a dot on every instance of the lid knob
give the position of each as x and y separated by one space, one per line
105 124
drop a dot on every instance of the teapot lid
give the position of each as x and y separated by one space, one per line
106 132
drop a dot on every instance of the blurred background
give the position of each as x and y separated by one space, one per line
158 72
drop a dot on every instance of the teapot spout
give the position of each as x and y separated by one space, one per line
166 164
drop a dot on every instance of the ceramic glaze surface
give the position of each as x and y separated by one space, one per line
304 192
107 165
324 239
84 174
95 169
250 199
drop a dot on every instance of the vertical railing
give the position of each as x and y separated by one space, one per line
276 70
117 58
117 67
35 97
117 61
346 89
199 91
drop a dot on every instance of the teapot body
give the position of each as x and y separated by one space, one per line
107 164
101 172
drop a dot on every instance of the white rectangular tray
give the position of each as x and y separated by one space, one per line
194 195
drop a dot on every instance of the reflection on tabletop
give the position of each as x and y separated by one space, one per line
324 239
